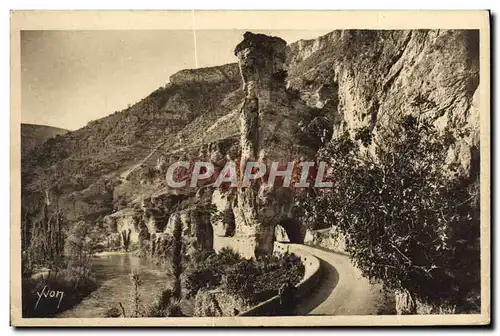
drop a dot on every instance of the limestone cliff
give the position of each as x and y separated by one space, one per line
376 76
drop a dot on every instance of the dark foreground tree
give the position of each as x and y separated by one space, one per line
177 258
410 218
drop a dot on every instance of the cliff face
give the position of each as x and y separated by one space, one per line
217 303
358 79
377 76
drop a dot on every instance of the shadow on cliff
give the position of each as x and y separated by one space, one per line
328 282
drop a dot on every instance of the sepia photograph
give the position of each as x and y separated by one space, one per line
229 168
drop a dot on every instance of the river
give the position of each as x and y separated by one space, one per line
112 273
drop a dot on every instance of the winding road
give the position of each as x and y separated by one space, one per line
342 289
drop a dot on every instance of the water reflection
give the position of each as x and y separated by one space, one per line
112 274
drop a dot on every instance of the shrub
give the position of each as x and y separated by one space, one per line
252 280
239 279
165 306
126 239
206 269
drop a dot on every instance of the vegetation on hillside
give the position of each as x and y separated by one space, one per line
75 161
33 136
78 170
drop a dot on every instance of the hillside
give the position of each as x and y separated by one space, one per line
34 135
100 152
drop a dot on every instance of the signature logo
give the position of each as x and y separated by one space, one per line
49 294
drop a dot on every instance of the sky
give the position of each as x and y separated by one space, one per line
69 78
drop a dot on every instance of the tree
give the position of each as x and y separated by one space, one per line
126 239
177 257
409 217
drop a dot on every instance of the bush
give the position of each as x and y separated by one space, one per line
206 269
409 218
273 271
239 279
253 280
260 279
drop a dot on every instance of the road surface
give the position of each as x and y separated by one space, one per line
342 289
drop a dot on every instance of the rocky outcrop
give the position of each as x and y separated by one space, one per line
217 303
269 117
155 219
223 73
330 239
